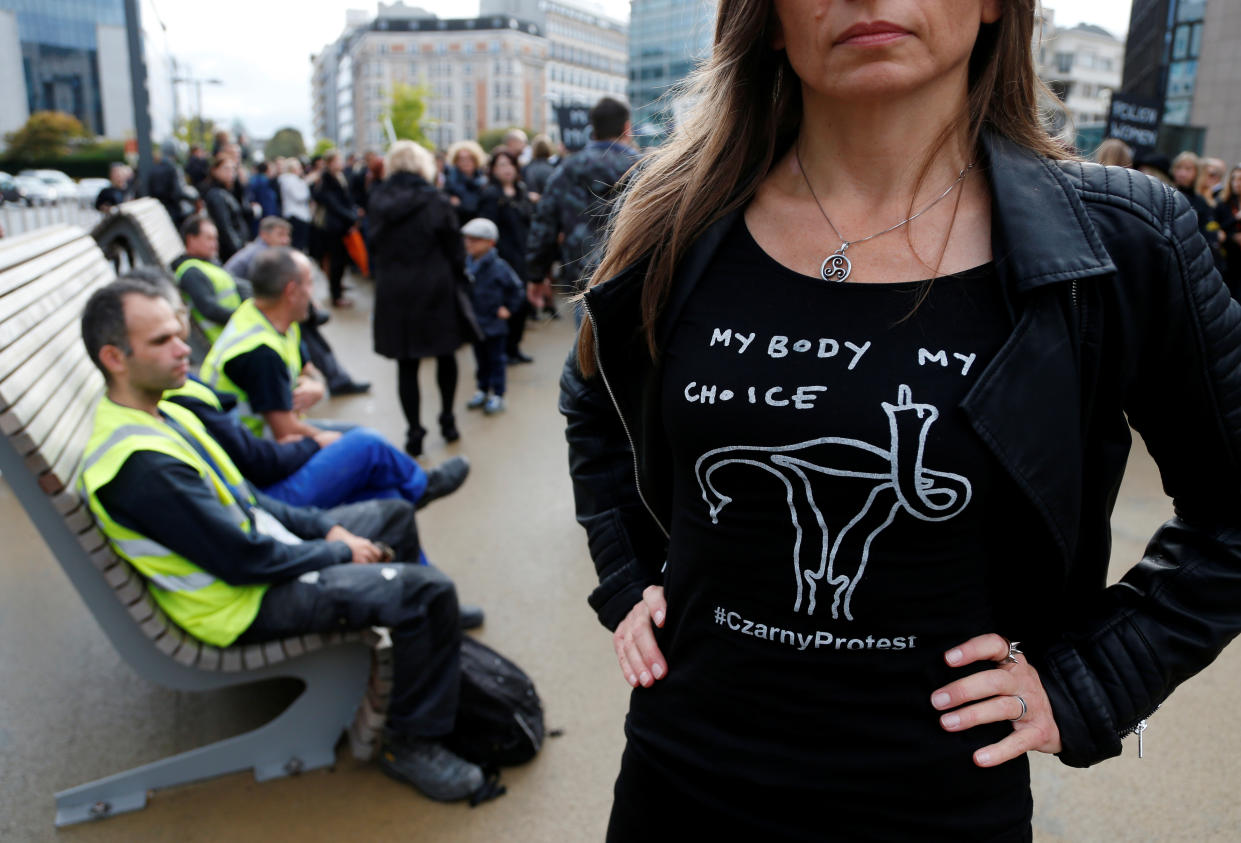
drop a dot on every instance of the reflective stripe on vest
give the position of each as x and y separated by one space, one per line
197 391
208 608
223 285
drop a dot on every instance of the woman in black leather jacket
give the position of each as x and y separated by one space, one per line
223 208
823 513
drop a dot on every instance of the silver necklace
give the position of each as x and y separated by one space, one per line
837 267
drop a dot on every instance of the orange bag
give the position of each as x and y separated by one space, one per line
356 247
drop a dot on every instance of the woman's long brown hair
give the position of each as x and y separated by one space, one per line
747 113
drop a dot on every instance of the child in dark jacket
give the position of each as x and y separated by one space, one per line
496 293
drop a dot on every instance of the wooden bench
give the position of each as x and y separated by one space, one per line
48 392
138 232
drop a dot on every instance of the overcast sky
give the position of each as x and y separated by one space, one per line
261 51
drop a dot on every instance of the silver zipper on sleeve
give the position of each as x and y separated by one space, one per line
632 449
1139 729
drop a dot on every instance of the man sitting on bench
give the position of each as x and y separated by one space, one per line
233 566
258 355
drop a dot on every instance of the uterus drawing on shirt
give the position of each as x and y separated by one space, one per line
834 548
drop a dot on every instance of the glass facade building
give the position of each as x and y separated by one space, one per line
666 40
73 56
60 54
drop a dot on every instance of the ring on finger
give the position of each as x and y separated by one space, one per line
1013 652
1024 709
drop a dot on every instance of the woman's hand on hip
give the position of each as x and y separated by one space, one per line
640 660
991 696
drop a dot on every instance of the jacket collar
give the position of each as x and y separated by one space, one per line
1040 231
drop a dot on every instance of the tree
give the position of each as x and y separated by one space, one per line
406 107
286 143
322 145
47 134
195 130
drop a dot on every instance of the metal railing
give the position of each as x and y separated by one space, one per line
18 219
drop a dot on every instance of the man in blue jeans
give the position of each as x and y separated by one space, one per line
325 470
328 469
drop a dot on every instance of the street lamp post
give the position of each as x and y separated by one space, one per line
197 82
142 105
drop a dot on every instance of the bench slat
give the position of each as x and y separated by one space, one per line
52 348
23 247
64 472
60 262
54 291
78 396
75 423
46 396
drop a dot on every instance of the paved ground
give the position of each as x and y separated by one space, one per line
71 711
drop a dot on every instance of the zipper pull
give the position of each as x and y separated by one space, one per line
1138 730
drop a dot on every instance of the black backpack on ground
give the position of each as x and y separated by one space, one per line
500 717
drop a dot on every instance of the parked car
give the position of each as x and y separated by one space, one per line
88 191
61 186
8 189
35 191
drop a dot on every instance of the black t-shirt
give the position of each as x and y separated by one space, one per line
264 378
829 543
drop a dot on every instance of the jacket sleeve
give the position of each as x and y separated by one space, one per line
542 243
165 500
202 294
1171 614
626 545
263 462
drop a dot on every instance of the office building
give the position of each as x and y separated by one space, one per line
667 38
587 51
479 74
1082 64
73 56
1184 56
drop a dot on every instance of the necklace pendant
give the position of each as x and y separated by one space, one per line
836 267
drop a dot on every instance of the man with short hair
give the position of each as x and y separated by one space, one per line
258 355
213 293
276 231
571 214
117 190
232 566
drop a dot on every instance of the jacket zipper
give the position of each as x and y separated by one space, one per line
1138 729
632 447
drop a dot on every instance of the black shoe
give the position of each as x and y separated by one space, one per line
318 317
413 442
472 617
520 357
444 479
448 427
430 767
351 388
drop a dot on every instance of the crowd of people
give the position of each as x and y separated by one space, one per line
205 472
400 219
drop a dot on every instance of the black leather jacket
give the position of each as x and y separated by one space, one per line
1118 317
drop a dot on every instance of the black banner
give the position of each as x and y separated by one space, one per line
1134 120
574 123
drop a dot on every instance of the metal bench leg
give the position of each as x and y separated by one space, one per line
303 737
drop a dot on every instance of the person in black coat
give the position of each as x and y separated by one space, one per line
418 262
506 202
338 216
223 208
